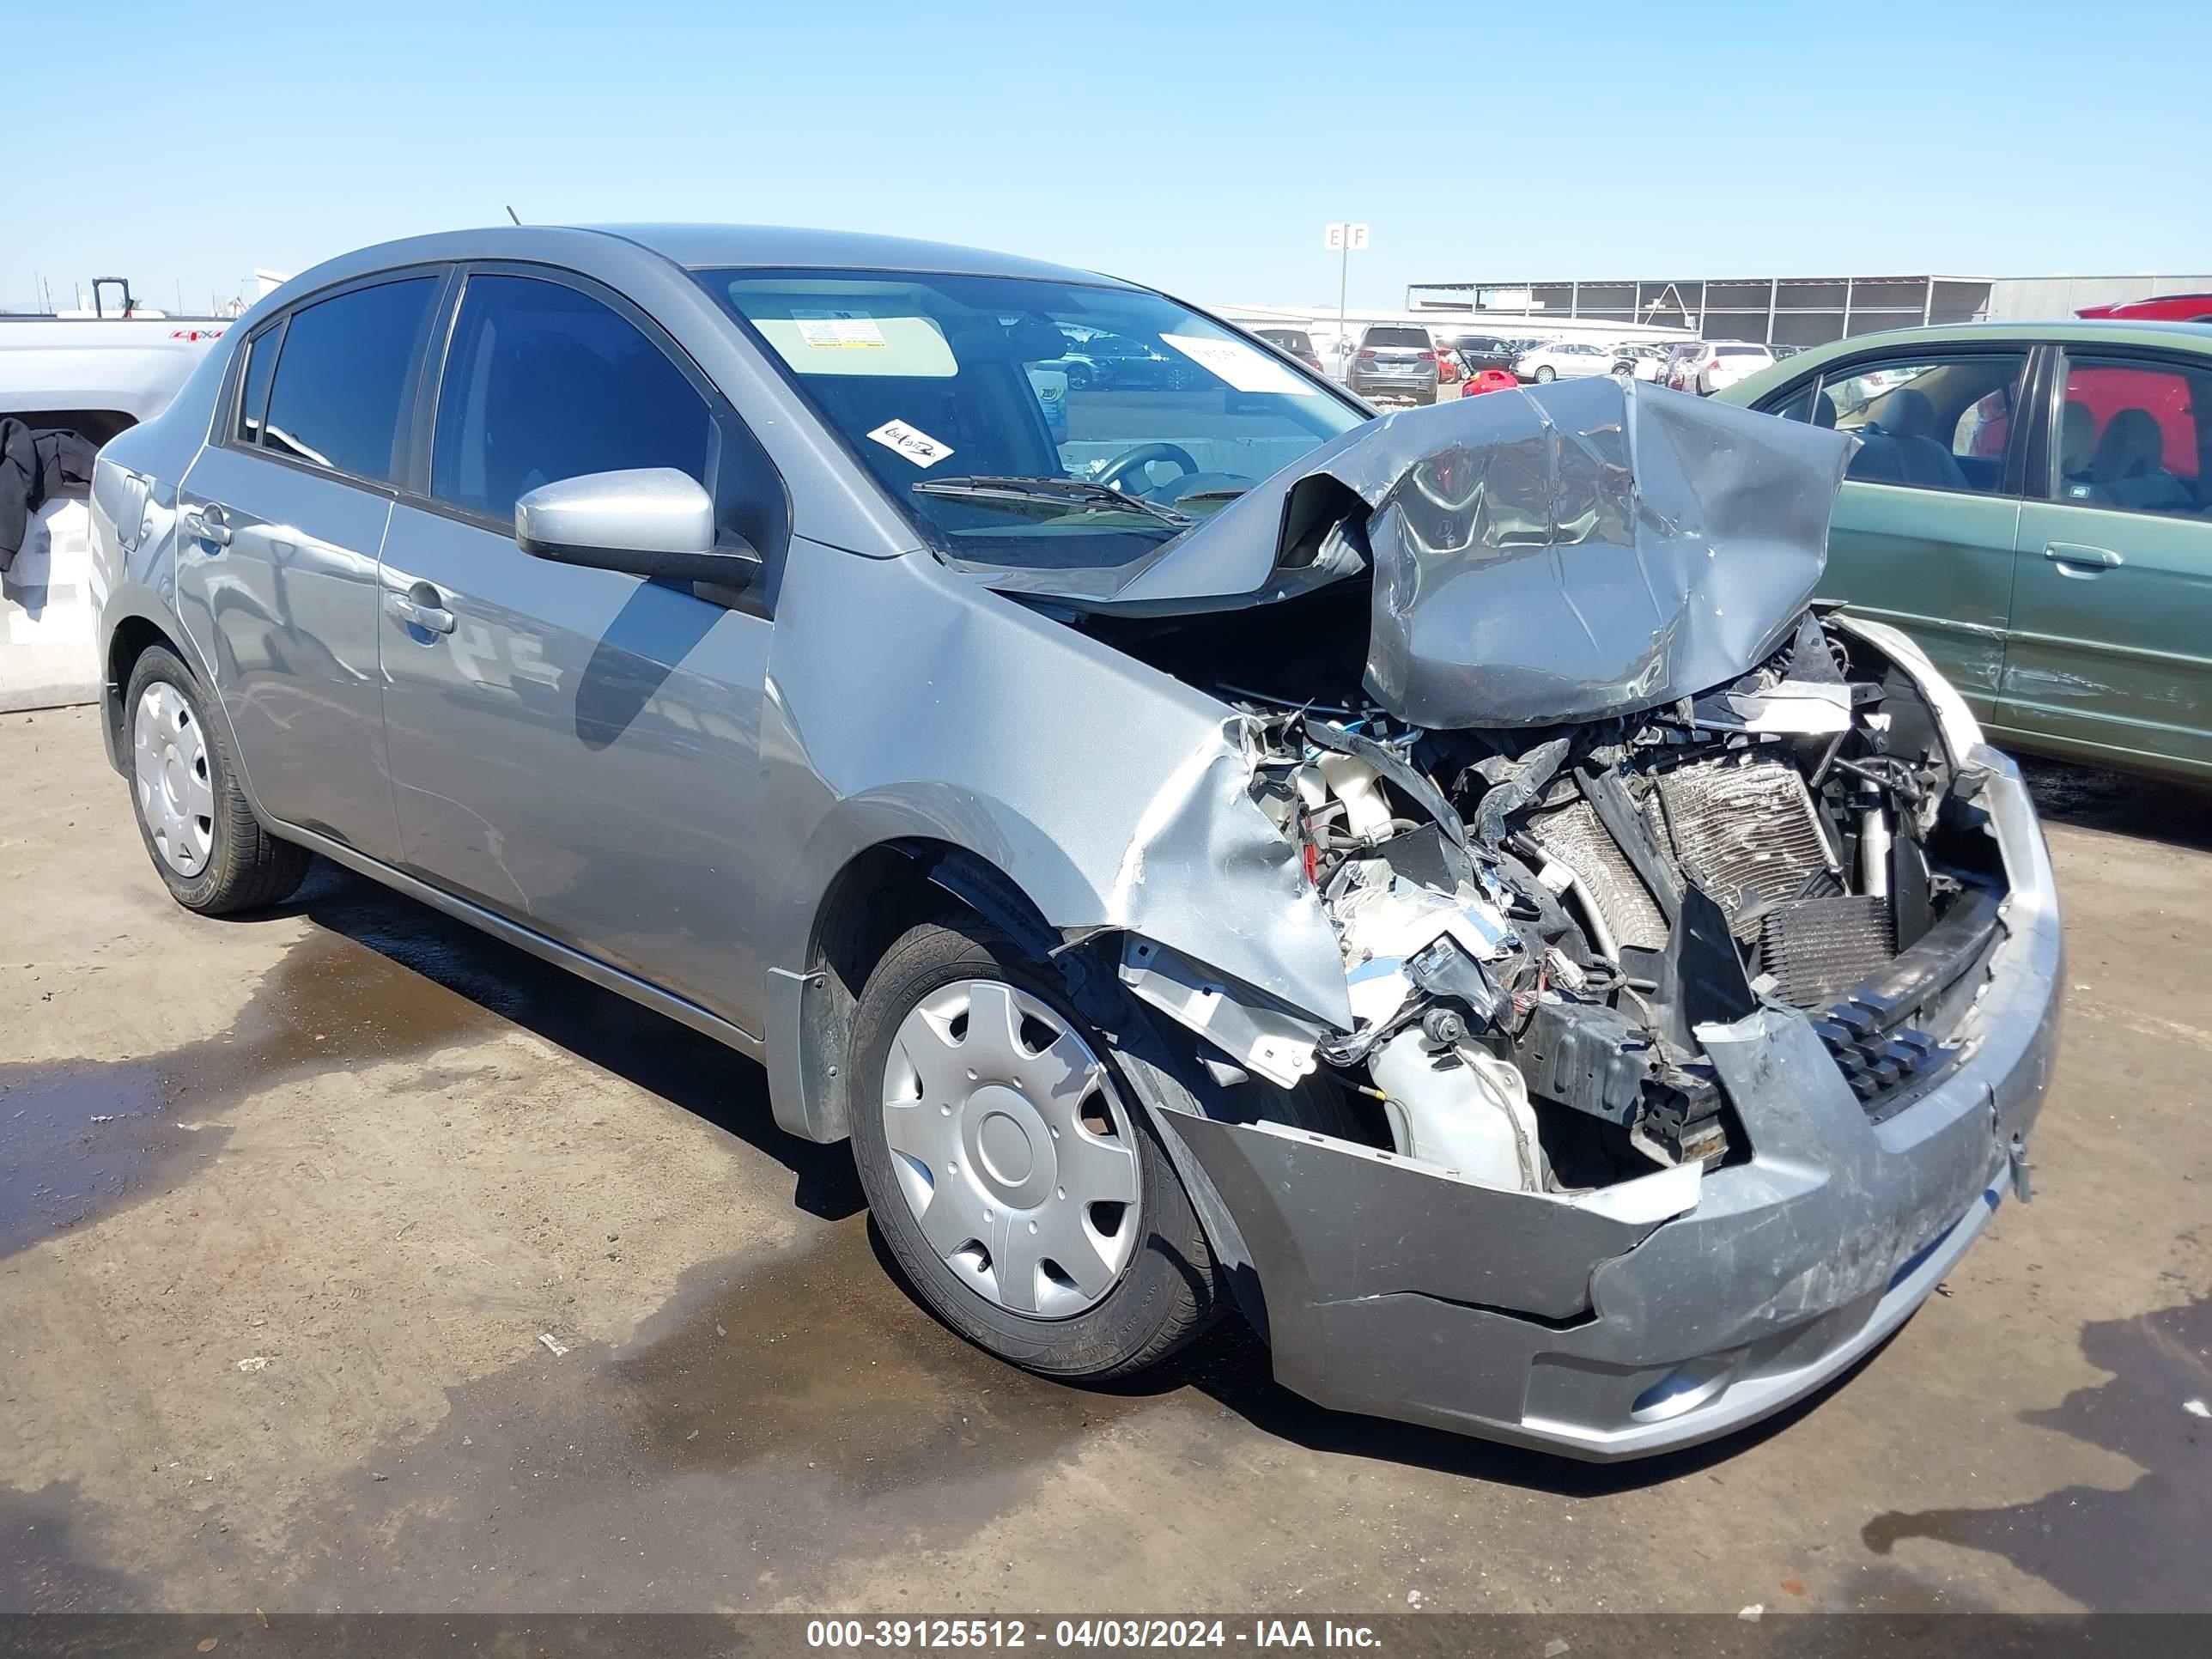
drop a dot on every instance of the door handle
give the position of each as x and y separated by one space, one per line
2101 558
432 618
207 523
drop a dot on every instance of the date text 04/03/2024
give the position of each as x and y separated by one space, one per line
897 1634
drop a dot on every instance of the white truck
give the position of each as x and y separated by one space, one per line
95 372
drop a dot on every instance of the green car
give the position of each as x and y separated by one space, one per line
2033 503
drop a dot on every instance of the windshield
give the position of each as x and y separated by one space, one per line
1050 425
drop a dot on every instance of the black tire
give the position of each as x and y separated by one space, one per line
1168 1291
247 868
1546 373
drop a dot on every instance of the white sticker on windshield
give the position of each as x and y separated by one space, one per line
916 445
830 330
1245 370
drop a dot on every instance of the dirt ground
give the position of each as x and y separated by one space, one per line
351 1261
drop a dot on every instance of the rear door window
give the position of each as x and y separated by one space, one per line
341 380
2132 434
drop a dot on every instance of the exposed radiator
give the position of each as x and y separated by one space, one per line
1574 835
1819 948
1744 828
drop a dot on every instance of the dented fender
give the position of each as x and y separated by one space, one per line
1112 796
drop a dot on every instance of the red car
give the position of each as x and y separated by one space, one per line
2165 308
1487 380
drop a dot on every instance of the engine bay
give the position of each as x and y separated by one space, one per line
1535 922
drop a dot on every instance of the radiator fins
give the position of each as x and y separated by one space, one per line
1744 829
1817 948
1574 835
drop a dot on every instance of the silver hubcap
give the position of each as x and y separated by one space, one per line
176 799
1013 1150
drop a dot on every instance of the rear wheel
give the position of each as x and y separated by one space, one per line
1020 1186
207 847
1544 373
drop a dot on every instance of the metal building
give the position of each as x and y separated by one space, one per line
1800 311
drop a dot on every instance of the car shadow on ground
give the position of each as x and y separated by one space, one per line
650 1050
2119 803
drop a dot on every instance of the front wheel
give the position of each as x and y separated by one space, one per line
207 847
1545 373
1023 1192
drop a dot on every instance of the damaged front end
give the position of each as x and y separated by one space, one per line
1701 959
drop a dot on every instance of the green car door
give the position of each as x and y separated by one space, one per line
2110 658
1927 517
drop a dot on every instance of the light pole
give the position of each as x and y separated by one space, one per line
1344 240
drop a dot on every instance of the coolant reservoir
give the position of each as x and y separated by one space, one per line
1358 785
1461 1108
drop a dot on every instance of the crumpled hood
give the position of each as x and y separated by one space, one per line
1562 552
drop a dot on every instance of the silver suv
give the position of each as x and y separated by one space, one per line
1395 361
1430 881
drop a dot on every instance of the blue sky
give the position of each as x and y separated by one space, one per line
1197 147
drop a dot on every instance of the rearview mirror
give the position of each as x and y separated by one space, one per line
648 522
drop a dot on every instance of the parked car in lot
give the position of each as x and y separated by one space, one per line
1586 1000
1637 360
1719 364
2030 502
68 384
1296 341
1677 364
1395 361
2165 308
1478 352
1563 360
97 376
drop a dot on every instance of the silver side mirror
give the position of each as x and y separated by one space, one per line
649 522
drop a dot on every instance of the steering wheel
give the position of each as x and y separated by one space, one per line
1143 455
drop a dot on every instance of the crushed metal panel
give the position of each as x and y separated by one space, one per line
1581 550
1838 1210
1560 552
1328 1221
1278 1045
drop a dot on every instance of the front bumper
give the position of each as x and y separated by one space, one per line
1669 1309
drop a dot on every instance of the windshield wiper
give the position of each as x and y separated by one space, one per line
1043 488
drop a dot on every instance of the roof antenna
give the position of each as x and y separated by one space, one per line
510 214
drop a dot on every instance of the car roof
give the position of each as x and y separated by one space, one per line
2075 330
703 247
693 247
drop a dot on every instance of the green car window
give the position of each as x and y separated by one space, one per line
2130 436
1926 423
